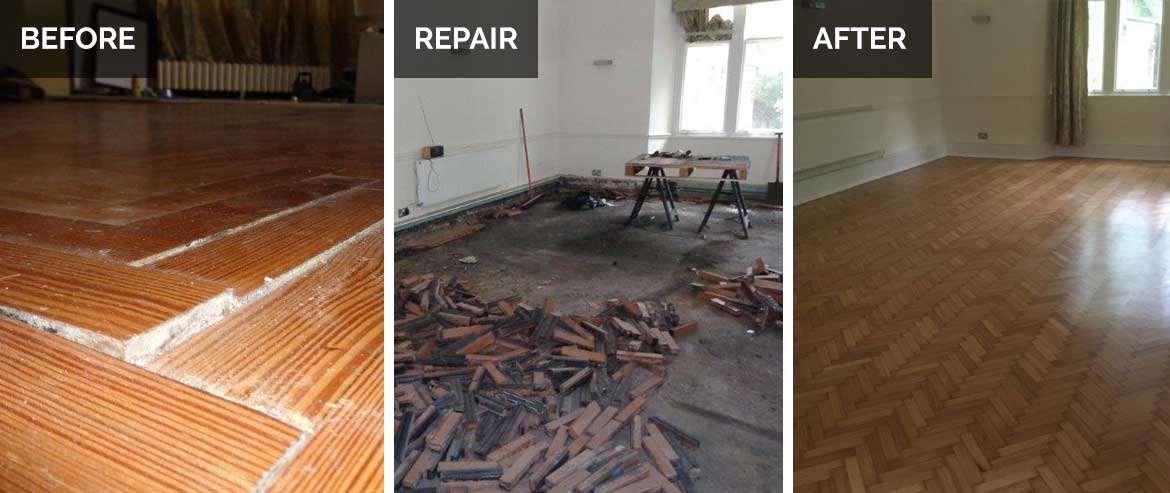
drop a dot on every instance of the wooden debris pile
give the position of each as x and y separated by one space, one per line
757 292
501 396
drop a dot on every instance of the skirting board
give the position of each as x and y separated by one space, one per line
1041 151
827 184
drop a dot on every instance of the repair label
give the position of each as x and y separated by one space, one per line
465 39
862 39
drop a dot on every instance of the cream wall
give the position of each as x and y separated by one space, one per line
903 118
996 80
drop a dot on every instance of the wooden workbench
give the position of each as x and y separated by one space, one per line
733 169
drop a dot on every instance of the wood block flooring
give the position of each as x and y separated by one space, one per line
986 325
191 297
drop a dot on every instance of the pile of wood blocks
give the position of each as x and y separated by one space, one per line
757 292
502 396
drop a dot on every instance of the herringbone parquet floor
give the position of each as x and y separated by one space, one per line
986 325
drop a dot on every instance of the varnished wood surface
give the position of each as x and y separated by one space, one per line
91 189
244 260
129 180
75 420
294 351
111 300
984 325
345 454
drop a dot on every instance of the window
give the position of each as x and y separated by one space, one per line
736 86
1125 47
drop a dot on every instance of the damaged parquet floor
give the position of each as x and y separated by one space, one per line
984 325
191 297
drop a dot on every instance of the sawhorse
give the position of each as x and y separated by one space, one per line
657 177
737 196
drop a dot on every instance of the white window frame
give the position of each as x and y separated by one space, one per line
1109 55
735 57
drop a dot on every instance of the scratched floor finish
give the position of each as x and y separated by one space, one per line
986 325
132 234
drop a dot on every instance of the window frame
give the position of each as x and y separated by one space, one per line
736 50
1109 54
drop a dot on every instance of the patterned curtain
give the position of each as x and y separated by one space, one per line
699 28
246 31
1070 72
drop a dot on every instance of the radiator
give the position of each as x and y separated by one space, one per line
236 77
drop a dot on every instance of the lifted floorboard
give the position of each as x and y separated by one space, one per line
291 353
75 420
105 305
272 249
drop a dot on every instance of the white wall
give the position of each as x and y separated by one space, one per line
907 127
472 115
996 80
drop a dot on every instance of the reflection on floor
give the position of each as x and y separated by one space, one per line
191 297
986 325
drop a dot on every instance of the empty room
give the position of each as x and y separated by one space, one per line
587 248
980 268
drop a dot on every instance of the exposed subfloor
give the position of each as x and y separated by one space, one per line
725 387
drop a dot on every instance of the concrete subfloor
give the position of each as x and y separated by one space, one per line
725 387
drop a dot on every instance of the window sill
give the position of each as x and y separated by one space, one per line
1128 94
745 136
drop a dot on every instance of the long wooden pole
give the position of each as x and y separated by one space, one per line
524 134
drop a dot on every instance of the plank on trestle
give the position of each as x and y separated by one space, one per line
346 453
249 259
292 352
73 419
122 311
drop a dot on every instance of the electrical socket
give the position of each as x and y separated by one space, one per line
982 135
403 212
596 172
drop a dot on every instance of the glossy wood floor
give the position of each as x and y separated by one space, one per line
984 325
190 297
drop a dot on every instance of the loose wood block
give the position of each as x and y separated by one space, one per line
509 448
647 385
479 343
520 467
685 329
461 332
582 423
271 249
602 419
582 354
581 461
663 445
466 465
636 433
559 440
125 312
569 483
568 337
633 408
639 357
293 352
652 448
561 421
476 378
725 306
438 439
642 472
496 375
647 485
575 379
578 444
604 434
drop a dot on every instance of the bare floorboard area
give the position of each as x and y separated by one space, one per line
147 230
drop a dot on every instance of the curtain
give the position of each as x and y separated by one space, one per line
685 5
1070 73
297 32
699 28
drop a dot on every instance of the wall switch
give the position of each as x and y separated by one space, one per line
596 172
982 135
403 212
